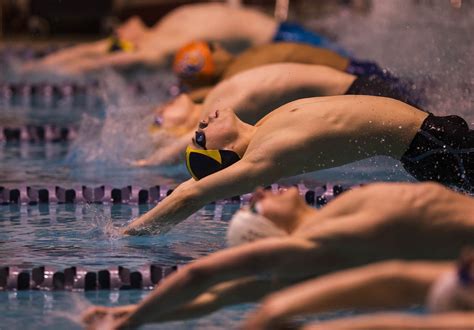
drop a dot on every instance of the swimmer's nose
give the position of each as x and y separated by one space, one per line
202 124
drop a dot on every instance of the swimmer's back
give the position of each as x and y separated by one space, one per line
285 52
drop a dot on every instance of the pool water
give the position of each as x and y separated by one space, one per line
111 135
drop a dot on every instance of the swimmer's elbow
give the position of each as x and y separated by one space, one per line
189 193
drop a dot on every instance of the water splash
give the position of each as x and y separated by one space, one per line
122 136
78 304
429 42
77 309
102 225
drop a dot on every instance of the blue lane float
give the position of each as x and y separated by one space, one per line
76 278
105 194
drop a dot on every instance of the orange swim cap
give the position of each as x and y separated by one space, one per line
194 61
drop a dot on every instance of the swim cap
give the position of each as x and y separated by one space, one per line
201 163
116 44
194 61
246 227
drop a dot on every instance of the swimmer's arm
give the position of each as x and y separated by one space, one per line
190 196
199 95
163 156
116 60
391 284
445 321
228 293
243 290
269 256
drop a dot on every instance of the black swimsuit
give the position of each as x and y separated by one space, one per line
443 151
388 86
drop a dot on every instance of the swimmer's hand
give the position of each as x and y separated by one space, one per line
133 230
101 317
141 163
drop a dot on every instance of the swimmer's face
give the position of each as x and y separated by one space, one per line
281 208
176 112
218 131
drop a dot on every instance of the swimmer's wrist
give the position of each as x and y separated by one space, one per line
131 321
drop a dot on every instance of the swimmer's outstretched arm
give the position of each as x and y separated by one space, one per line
190 196
269 257
389 321
239 291
166 154
390 284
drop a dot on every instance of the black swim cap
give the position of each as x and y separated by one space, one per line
201 163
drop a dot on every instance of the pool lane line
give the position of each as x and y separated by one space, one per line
106 194
77 278
38 133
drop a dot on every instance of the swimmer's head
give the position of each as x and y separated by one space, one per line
179 114
220 141
200 63
247 226
269 215
454 290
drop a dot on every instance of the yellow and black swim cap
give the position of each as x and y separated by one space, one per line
194 61
116 44
201 163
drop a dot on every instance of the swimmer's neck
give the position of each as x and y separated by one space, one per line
304 214
244 136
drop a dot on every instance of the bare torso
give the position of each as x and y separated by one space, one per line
254 93
316 133
194 22
403 220
285 52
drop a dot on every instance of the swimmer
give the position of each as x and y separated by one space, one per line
254 93
237 27
391 321
364 225
228 157
199 64
443 286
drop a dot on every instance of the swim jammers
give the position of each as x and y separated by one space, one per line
385 84
293 32
442 151
366 68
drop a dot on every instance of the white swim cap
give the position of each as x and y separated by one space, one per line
448 293
246 227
